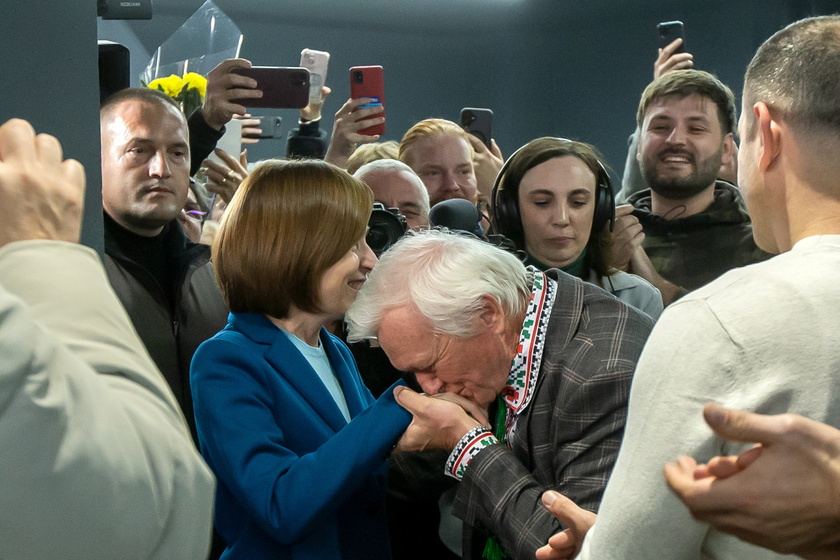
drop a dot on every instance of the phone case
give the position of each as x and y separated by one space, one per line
366 81
282 87
317 63
670 31
478 122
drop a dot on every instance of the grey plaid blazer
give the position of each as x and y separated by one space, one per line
568 437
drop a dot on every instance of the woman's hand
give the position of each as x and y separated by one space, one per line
225 178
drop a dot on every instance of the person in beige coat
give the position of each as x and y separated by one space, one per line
96 459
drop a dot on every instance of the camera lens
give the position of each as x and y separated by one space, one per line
358 76
385 227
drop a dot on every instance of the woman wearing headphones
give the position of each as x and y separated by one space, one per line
553 199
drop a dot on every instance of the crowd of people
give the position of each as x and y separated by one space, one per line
638 371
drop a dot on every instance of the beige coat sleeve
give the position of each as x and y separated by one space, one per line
96 459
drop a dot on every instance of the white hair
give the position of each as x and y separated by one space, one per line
445 276
383 165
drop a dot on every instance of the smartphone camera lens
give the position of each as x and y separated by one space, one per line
358 76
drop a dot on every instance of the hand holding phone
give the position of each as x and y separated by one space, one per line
348 126
367 81
317 63
282 88
670 31
478 122
672 53
225 92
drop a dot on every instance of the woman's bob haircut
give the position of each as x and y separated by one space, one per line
289 221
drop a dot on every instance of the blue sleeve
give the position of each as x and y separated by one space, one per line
254 429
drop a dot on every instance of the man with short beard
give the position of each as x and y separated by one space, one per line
689 227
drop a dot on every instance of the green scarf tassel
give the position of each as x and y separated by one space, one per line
493 550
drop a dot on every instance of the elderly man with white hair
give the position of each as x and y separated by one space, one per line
546 357
396 185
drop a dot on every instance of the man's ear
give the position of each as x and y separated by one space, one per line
769 136
728 149
639 148
493 315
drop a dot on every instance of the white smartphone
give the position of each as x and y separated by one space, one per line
231 141
316 62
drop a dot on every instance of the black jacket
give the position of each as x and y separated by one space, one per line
693 251
171 320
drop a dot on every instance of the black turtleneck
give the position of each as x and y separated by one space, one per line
158 261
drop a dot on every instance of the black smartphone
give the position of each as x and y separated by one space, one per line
283 88
478 122
670 31
270 127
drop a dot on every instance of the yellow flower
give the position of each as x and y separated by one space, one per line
171 86
195 81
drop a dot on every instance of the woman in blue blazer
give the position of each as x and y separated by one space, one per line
298 444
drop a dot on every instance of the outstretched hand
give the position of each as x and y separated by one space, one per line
783 494
41 195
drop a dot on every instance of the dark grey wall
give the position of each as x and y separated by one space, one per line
48 63
545 67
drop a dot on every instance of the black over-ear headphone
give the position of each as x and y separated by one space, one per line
506 217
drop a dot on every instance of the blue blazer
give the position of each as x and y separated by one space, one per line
295 480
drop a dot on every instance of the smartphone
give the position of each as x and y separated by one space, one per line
316 62
270 127
478 122
670 31
283 88
366 81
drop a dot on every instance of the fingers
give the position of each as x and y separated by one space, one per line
495 150
74 175
478 145
723 467
17 138
557 548
679 61
667 60
680 475
41 196
225 190
469 407
623 210
354 136
243 159
222 77
48 151
353 104
407 398
669 49
232 162
738 425
218 173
